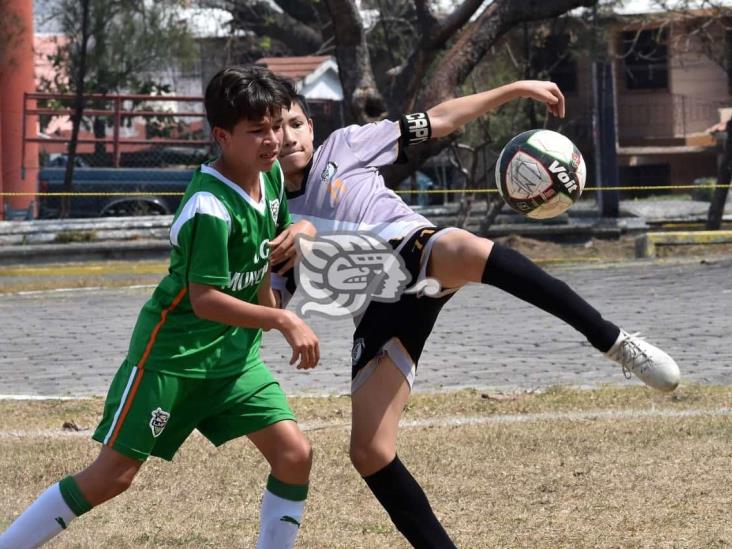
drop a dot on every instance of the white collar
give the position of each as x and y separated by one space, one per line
259 206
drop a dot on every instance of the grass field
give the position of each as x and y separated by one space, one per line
565 468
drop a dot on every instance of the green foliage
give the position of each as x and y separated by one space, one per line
130 40
265 42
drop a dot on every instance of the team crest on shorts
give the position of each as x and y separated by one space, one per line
159 421
274 208
358 346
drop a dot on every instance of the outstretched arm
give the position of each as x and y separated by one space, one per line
451 115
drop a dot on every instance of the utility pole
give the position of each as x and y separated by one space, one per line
719 198
604 125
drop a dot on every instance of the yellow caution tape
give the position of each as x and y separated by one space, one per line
432 191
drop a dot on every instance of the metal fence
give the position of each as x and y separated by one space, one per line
665 115
120 130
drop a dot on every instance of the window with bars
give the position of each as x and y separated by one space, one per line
555 61
645 59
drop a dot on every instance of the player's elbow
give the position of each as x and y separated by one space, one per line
441 124
199 308
200 301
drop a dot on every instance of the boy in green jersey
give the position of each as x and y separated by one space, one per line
193 360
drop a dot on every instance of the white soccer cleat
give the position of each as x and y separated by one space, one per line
647 362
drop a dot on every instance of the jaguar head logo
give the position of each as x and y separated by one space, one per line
340 273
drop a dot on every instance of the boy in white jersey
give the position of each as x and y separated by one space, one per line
339 188
193 360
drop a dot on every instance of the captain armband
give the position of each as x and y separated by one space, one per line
415 128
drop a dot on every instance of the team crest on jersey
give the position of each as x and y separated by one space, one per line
274 208
159 421
329 171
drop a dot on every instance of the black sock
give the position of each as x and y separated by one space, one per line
408 507
519 276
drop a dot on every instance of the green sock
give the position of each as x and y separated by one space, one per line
293 492
73 497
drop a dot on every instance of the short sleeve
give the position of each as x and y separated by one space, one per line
201 234
283 212
284 218
375 144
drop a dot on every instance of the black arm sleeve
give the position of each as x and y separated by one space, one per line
415 129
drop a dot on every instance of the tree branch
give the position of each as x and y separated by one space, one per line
470 47
455 21
261 19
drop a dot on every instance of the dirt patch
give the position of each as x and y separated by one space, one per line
594 249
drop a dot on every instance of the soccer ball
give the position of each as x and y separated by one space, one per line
540 173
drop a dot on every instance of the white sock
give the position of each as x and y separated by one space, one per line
279 522
46 517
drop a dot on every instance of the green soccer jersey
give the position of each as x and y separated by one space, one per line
220 238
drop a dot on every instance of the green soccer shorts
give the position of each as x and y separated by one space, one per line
151 413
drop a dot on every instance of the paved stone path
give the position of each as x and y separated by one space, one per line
70 343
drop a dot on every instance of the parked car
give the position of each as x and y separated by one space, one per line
112 191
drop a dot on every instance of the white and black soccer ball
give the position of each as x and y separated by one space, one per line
540 173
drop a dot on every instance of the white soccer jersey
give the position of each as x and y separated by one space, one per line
344 190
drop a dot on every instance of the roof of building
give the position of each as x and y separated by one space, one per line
294 67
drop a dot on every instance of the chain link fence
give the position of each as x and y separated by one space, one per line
134 153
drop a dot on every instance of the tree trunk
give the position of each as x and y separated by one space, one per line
78 112
719 197
363 99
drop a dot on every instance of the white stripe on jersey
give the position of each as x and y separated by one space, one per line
121 404
201 202
282 181
259 206
386 230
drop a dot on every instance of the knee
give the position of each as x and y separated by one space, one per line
369 458
102 484
459 258
297 456
120 483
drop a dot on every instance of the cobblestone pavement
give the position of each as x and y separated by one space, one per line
70 343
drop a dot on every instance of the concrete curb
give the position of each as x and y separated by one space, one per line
84 251
646 244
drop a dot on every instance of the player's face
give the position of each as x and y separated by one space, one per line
253 144
297 141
